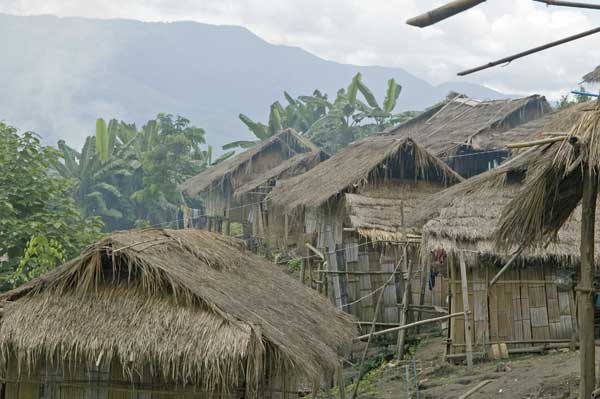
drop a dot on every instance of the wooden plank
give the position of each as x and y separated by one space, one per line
405 303
390 300
332 265
480 309
366 306
465 295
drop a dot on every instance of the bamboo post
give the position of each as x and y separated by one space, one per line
333 266
585 298
411 325
404 309
505 268
370 335
424 280
465 296
340 381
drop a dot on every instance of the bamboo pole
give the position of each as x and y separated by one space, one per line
443 12
528 52
332 264
404 309
474 389
410 325
465 296
370 336
585 298
536 142
569 4
510 262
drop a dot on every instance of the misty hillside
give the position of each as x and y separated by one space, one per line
59 74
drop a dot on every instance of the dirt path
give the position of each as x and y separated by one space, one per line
552 375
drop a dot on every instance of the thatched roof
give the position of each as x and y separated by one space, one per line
294 166
592 77
554 187
460 121
193 306
238 170
467 216
374 158
380 212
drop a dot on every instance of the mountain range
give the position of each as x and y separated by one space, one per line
59 74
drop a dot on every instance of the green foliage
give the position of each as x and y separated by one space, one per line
331 125
40 223
41 255
294 264
567 100
129 177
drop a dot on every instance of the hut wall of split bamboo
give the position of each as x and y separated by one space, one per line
160 313
533 301
234 190
351 209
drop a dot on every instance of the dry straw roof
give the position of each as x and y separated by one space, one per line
467 216
229 170
362 162
592 77
464 121
294 166
379 212
554 187
192 305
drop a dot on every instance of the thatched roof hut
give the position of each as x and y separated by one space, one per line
363 163
467 133
244 167
533 300
186 307
592 77
466 216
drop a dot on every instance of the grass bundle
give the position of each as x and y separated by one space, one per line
553 187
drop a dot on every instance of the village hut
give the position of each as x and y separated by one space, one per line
532 303
160 313
349 211
233 191
467 134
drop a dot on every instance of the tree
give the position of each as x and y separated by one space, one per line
40 223
331 125
566 101
106 164
129 177
170 151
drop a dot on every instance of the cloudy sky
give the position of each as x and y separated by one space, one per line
373 32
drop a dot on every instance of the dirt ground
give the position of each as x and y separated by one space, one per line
551 375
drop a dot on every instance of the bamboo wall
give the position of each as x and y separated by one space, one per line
80 382
522 308
363 267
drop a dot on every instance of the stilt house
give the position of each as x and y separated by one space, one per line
349 211
165 314
468 134
532 304
233 191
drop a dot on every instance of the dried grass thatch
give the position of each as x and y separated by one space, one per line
554 185
380 212
463 121
239 169
466 217
592 77
373 159
192 306
294 166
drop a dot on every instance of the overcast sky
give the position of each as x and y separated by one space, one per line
373 32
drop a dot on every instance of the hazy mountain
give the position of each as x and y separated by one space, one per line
58 74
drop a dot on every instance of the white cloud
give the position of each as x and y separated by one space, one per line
374 32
